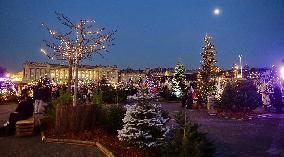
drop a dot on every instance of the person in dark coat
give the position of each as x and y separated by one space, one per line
38 97
277 99
23 111
189 100
183 100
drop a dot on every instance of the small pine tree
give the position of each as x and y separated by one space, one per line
144 125
207 74
179 80
187 140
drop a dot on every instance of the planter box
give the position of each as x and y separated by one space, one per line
75 118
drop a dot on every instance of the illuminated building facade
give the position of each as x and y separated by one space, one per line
34 70
131 74
16 77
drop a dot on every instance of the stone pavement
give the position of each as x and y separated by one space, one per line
5 111
31 146
261 137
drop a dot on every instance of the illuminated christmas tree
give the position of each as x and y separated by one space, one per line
207 74
273 79
179 80
145 125
149 84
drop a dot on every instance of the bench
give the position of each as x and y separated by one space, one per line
25 127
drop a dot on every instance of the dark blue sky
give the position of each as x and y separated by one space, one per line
152 33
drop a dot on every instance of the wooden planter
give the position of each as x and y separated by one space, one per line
75 118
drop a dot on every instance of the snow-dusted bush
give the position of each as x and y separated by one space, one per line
144 125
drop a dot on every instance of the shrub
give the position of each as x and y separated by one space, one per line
107 94
2 99
187 140
12 98
276 99
109 117
240 96
63 99
167 94
97 98
113 118
70 118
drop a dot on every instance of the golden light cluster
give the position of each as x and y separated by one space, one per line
80 43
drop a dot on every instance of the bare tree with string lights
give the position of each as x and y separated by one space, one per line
80 41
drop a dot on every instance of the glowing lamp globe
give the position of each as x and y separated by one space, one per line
282 72
216 11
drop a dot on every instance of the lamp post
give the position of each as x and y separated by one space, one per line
115 87
240 56
281 72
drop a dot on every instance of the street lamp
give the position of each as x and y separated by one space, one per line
115 87
240 56
282 72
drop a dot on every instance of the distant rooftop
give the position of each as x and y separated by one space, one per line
65 66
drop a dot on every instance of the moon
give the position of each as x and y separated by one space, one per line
216 11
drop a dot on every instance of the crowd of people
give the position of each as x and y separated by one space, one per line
31 101
35 97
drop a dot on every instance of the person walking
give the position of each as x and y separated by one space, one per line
38 97
183 100
189 100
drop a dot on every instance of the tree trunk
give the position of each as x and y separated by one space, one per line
69 82
76 82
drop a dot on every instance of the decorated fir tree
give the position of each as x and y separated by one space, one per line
207 74
274 76
179 80
144 125
149 84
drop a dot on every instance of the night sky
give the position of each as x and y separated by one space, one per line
151 33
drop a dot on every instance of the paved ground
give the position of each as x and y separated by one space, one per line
5 111
262 137
33 147
12 146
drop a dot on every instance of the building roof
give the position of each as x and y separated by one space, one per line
66 66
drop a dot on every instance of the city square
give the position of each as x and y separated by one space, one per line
142 79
